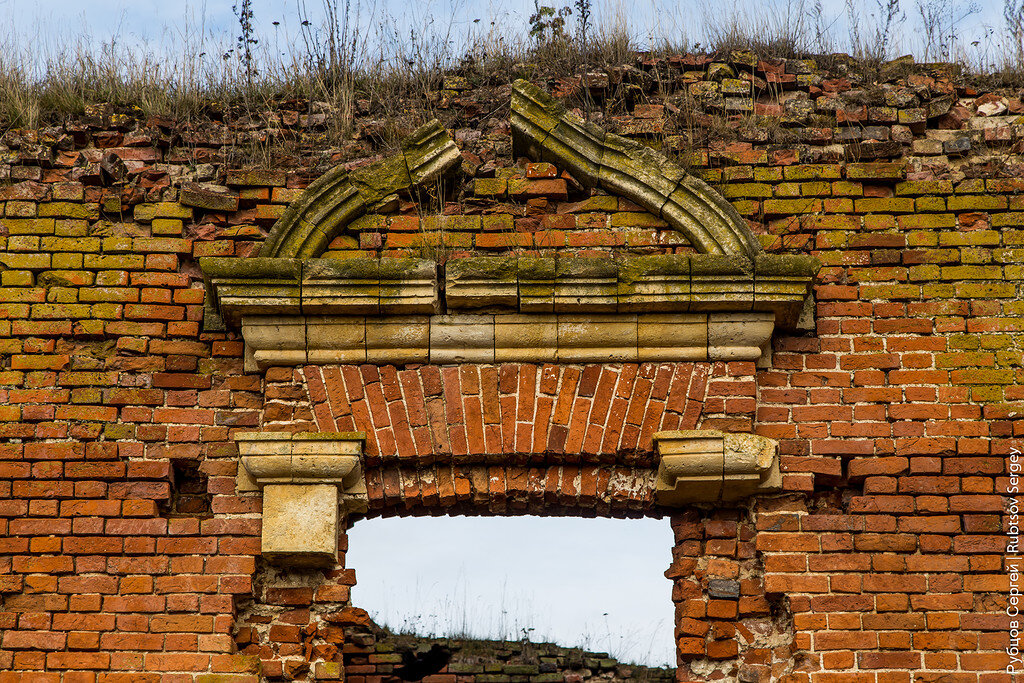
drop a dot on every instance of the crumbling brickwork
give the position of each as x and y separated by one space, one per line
880 561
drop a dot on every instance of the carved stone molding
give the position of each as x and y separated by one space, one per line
512 309
340 196
544 129
706 466
721 304
303 477
505 338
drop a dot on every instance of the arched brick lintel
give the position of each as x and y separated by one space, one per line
510 413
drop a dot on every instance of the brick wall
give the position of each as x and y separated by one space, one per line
126 554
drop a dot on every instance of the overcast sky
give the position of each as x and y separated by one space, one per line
596 583
162 24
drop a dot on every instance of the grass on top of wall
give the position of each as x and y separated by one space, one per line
348 51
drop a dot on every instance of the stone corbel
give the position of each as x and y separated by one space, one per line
707 466
304 477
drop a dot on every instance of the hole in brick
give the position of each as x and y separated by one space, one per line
597 584
189 494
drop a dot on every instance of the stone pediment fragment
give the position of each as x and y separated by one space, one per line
508 309
545 130
721 304
340 196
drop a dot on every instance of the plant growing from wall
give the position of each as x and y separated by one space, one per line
583 12
941 22
246 40
547 24
1013 14
875 43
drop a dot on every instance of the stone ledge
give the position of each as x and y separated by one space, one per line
707 466
638 284
501 338
285 287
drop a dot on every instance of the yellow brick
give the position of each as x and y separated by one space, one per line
29 226
71 228
974 238
930 204
783 190
847 188
972 273
70 244
90 211
166 226
784 207
68 260
816 189
147 212
16 278
976 203
884 205
25 261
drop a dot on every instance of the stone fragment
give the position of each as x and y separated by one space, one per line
208 196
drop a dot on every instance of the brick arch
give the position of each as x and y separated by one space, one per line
523 412
499 439
549 488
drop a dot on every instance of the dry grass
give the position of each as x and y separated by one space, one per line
358 53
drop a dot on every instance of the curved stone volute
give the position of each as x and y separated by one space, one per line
340 196
546 130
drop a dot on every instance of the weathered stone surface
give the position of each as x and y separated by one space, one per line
208 196
338 197
300 524
710 466
546 130
529 338
300 476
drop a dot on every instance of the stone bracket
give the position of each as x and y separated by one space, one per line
303 477
708 466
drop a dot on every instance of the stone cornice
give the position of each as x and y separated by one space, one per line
708 466
633 284
544 129
508 309
505 338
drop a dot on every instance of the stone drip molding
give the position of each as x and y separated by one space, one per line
304 477
622 167
709 466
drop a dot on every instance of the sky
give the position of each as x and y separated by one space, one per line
162 26
596 583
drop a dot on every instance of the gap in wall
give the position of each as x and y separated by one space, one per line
593 583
